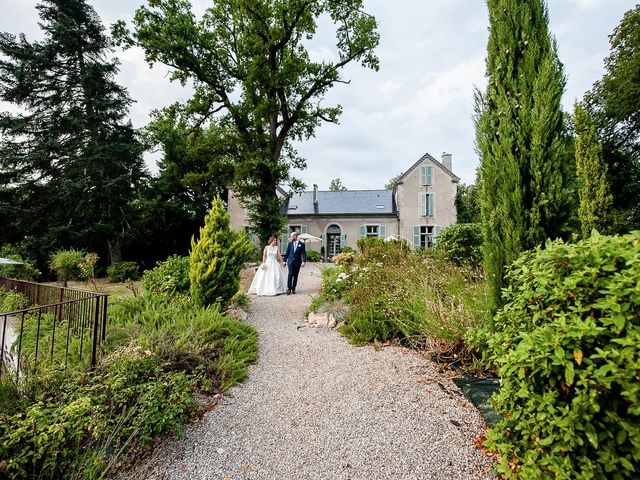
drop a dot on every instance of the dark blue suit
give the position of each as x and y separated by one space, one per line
294 260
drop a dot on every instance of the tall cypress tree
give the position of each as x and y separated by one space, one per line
593 189
520 137
68 159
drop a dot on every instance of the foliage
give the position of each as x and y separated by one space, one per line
390 185
368 243
347 250
190 173
129 399
161 350
24 271
170 276
521 138
240 300
344 258
566 344
199 341
66 264
255 83
462 243
123 271
217 258
614 104
394 292
467 203
593 189
11 301
69 161
313 256
336 186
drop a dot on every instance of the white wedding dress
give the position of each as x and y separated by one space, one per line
269 279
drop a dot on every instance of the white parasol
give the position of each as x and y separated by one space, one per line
308 238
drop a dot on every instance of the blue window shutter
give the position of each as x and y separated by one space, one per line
416 236
343 241
423 175
436 232
363 231
382 231
428 175
303 229
423 204
431 208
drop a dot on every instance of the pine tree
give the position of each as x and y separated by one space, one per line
524 171
71 161
593 189
217 258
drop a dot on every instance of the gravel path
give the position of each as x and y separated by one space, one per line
315 407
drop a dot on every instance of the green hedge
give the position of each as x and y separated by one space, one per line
170 276
462 243
313 256
123 271
567 344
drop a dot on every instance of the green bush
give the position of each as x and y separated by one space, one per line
24 271
170 276
161 350
313 256
130 399
217 258
11 301
367 243
347 250
462 243
123 271
394 292
567 345
66 264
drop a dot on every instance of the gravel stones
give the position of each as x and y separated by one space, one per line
315 407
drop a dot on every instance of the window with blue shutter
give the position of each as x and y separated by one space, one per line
426 175
436 233
416 236
382 230
284 240
423 204
303 229
431 206
363 231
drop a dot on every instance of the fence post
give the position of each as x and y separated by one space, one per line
104 317
96 317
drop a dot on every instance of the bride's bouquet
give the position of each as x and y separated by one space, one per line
263 267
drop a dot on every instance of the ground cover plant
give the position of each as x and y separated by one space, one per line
567 346
394 292
160 351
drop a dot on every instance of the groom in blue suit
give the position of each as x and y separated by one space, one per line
295 258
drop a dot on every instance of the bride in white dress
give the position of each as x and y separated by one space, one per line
269 278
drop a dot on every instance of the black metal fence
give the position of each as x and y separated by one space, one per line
56 319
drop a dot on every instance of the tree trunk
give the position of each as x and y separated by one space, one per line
115 252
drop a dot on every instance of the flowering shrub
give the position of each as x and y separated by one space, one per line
344 258
394 292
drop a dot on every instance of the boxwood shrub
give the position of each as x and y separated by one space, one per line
567 345
123 271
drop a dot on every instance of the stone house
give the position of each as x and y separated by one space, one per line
419 206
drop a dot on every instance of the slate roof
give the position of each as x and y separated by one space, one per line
426 156
349 202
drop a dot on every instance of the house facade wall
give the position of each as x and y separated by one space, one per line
350 227
408 201
237 212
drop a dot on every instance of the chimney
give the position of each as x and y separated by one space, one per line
446 161
315 194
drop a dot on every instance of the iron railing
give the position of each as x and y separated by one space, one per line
69 315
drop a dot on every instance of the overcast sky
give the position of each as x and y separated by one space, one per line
421 100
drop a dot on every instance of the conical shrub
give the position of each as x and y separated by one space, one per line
217 258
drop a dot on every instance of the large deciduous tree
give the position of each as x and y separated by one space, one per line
520 137
69 163
614 103
255 78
